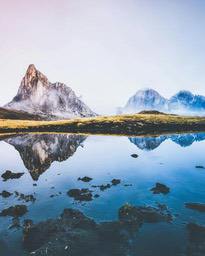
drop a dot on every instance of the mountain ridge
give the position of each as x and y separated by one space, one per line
183 102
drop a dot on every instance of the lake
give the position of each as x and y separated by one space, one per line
52 164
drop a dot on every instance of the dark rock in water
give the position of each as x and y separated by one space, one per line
160 188
96 196
196 206
85 179
196 240
5 194
11 175
27 224
134 155
199 167
14 211
162 207
75 234
72 228
138 215
127 185
104 187
193 227
83 194
15 223
115 182
26 198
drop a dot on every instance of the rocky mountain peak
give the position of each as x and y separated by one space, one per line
36 95
31 71
32 77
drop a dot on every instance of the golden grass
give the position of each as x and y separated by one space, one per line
140 119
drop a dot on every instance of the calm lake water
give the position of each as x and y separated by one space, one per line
52 165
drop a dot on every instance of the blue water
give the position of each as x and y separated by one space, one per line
170 160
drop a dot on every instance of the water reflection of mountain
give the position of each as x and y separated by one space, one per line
150 143
38 152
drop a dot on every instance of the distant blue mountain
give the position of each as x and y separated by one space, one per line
183 102
187 101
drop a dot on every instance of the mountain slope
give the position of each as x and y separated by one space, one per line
36 95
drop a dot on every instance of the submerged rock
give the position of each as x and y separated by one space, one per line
26 198
15 223
71 228
85 179
75 234
27 225
160 188
138 215
83 194
196 206
134 155
196 240
199 167
11 175
5 194
14 211
104 187
115 182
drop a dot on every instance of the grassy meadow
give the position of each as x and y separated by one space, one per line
120 124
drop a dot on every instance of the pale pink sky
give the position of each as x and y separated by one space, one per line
104 49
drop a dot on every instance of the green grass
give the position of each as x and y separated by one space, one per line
120 124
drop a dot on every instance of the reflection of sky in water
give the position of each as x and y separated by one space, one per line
104 158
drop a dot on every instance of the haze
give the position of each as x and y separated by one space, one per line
105 50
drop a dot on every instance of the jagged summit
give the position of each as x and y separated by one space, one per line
36 95
33 74
31 70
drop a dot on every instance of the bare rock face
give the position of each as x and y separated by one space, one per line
36 95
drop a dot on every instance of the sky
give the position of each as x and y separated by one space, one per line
105 50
